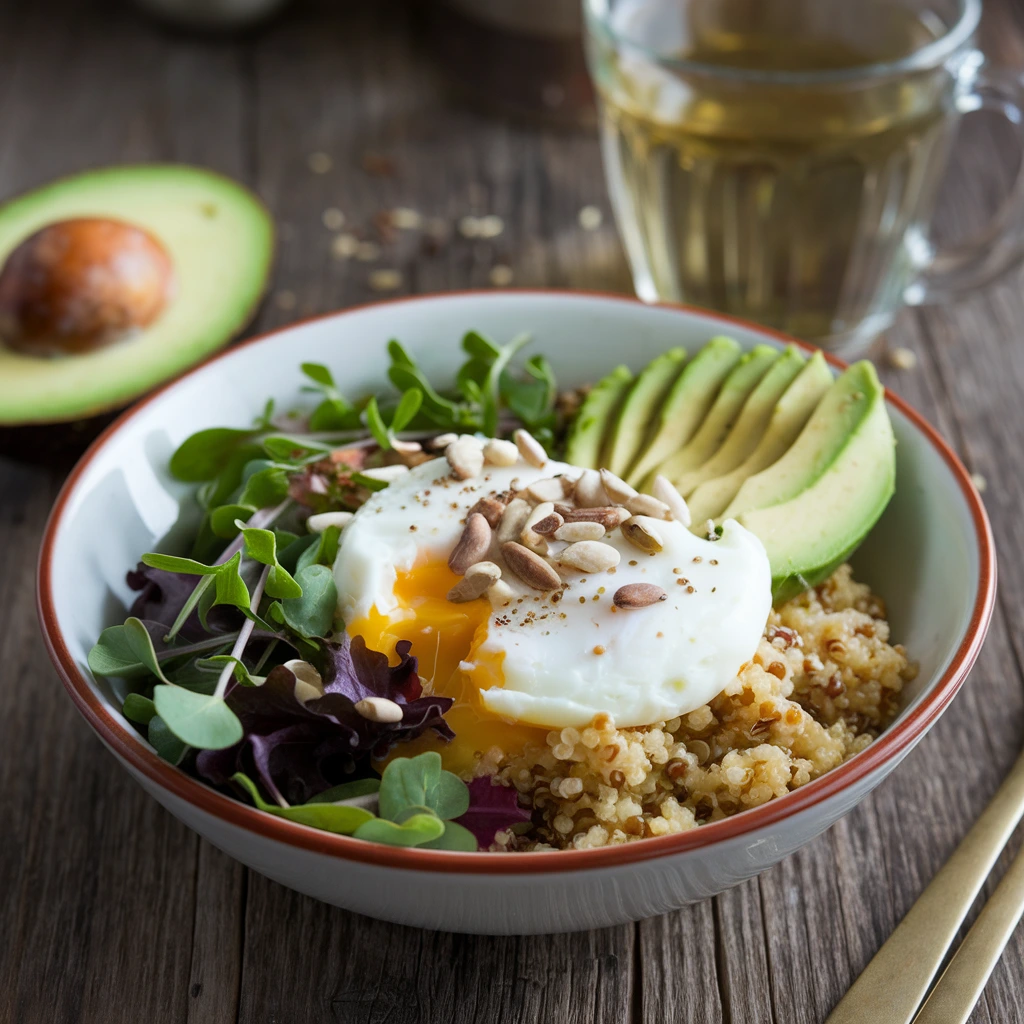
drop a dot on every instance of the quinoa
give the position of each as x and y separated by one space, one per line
823 683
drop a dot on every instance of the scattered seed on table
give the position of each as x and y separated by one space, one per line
903 358
333 218
979 481
590 218
285 300
319 163
367 252
406 218
344 246
500 275
385 280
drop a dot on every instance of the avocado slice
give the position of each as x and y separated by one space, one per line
833 423
793 410
599 409
811 534
723 413
639 408
751 423
686 404
219 237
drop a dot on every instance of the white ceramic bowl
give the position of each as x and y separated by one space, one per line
930 556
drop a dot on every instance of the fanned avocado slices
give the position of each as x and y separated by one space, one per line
686 405
793 410
823 497
723 413
639 408
750 425
599 409
210 243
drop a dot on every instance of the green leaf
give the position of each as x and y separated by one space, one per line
141 644
282 448
440 410
199 720
408 406
164 742
455 837
222 519
334 414
240 672
346 791
420 781
376 423
205 454
312 613
479 347
368 482
172 563
230 587
342 819
492 395
319 373
323 553
138 709
113 655
219 490
419 829
399 356
291 556
188 607
265 488
261 546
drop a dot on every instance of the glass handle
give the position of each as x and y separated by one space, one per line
999 247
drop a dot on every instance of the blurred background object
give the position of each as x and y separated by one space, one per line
779 160
213 15
522 57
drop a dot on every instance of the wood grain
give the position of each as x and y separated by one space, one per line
112 912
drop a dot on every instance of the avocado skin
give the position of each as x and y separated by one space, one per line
599 409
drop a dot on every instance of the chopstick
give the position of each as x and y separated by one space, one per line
958 990
894 984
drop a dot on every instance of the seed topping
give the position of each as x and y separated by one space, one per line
530 567
472 545
638 595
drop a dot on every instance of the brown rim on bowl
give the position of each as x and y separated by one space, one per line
129 746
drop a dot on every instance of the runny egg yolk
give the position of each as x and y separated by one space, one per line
443 635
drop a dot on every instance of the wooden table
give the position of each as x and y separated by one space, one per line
111 911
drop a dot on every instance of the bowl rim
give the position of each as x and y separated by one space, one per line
898 739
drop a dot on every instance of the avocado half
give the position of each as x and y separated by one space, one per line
219 240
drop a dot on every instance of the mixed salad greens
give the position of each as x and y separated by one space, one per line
239 671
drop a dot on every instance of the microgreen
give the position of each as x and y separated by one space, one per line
421 782
322 552
164 742
454 837
261 546
343 819
138 709
241 673
205 454
335 412
267 486
415 830
312 612
197 719
347 791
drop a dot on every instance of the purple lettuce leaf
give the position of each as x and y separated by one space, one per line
492 809
300 749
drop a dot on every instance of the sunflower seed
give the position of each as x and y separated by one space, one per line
478 580
379 709
308 684
324 520
500 453
641 533
465 456
616 488
405 447
530 448
531 539
512 522
664 490
550 489
549 524
609 516
638 595
645 505
589 492
572 532
442 441
590 556
500 593
491 509
385 474
472 545
530 567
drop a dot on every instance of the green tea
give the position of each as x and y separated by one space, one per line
795 201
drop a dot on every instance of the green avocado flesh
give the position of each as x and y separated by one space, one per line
220 239
599 408
723 413
793 410
639 408
686 404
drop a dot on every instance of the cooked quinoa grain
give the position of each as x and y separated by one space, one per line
822 684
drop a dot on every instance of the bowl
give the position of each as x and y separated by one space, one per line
930 556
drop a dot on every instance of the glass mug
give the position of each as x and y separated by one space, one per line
779 160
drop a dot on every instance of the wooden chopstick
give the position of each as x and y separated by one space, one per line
894 984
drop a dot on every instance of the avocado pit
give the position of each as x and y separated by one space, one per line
81 284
